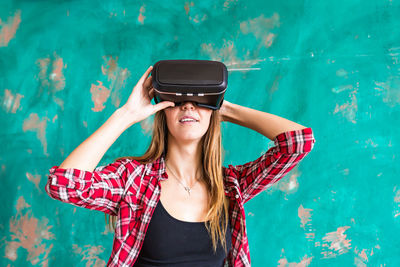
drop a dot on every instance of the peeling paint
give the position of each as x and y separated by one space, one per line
9 29
283 262
100 95
11 102
304 215
141 16
90 255
29 233
51 77
34 124
260 27
335 243
116 76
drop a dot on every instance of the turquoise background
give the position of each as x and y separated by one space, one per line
65 66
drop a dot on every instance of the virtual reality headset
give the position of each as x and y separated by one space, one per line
201 81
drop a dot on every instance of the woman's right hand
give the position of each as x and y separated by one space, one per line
139 102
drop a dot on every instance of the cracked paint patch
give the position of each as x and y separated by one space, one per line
51 77
283 262
34 124
348 109
335 243
90 254
396 200
29 233
304 215
35 179
141 16
9 28
229 3
306 222
194 14
100 95
261 28
11 102
116 76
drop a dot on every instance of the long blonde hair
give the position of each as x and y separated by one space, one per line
212 158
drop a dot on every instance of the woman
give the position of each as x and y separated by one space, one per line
196 218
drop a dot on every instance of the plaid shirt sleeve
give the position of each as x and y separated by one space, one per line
256 176
100 190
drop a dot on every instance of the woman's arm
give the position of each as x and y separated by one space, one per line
292 143
266 124
78 181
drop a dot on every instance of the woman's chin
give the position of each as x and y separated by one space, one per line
188 138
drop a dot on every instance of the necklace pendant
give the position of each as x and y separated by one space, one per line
187 189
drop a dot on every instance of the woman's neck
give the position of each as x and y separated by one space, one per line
185 162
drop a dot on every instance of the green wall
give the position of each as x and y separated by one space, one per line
65 66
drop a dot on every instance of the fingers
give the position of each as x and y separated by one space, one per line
151 93
143 78
163 105
148 83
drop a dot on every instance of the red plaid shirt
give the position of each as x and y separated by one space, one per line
131 191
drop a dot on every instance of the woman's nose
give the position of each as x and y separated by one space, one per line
188 104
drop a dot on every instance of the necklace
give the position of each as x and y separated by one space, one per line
187 188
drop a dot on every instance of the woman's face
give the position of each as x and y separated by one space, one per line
186 129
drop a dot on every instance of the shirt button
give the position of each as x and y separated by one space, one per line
237 196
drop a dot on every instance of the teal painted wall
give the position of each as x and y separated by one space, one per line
65 66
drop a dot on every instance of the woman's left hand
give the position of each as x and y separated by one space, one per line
223 111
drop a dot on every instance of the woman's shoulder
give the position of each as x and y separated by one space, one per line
130 163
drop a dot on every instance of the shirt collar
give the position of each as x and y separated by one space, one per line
158 168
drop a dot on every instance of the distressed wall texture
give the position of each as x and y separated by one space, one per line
65 66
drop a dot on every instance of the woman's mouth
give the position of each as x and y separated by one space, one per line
187 121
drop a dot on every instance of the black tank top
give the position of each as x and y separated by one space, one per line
172 242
